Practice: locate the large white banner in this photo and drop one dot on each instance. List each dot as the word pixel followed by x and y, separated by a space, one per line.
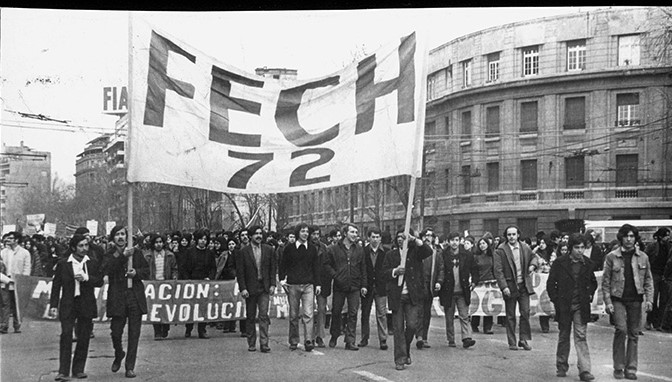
pixel 198 122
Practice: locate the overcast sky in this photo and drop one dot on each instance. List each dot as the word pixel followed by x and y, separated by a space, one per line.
pixel 56 62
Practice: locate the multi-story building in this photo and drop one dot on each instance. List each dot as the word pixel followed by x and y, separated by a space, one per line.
pixel 25 177
pixel 90 167
pixel 531 123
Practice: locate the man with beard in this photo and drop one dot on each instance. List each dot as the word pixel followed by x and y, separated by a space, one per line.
pixel 200 265
pixel 256 272
pixel 125 296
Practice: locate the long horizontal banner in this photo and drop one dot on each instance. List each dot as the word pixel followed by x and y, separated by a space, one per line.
pixel 197 121
pixel 207 301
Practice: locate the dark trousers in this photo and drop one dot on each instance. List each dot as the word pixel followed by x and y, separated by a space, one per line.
pixel 353 305
pixel 544 323
pixel 83 326
pixel 487 323
pixel 161 330
pixel 201 327
pixel 425 315
pixel 9 307
pixel 257 303
pixel 134 317
pixel 523 302
pixel 627 319
pixel 405 323
pixel 660 297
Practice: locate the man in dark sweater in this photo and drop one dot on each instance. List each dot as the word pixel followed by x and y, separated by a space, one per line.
pixel 199 265
pixel 299 274
pixel 626 279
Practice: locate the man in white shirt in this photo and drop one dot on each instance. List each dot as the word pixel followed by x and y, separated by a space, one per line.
pixel 17 261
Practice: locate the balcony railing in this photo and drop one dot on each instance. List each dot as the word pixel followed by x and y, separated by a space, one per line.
pixel 572 195
pixel 492 198
pixel 627 194
pixel 528 196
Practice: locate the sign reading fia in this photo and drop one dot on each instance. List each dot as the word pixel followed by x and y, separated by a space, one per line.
pixel 115 100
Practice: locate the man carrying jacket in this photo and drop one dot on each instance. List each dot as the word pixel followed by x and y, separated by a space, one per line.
pixel 345 264
pixel 571 285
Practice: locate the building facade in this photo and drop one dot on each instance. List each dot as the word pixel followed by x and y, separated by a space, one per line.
pixel 530 123
pixel 90 167
pixel 25 177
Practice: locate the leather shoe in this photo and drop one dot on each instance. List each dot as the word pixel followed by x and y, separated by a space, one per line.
pixel 265 349
pixel 618 374
pixel 363 343
pixel 81 375
pixel 351 347
pixel 523 344
pixel 130 374
pixel 204 336
pixel 629 375
pixel 468 342
pixel 61 377
pixel 513 347
pixel 488 332
pixel 400 367
pixel 561 373
pixel 420 344
pixel 426 345
pixel 451 344
pixel 309 346
pixel 408 360
pixel 332 341
pixel 116 364
pixel 383 346
pixel 251 348
pixel 319 342
pixel 586 376
pixel 293 347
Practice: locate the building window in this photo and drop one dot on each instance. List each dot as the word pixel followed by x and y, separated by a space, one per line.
pixel 430 183
pixel 528 172
pixel 449 77
pixel 466 179
pixel 493 176
pixel 528 117
pixel 431 87
pixel 531 61
pixel 446 181
pixel 430 135
pixel 627 109
pixel 447 126
pixel 491 225
pixel 446 227
pixel 493 67
pixel 320 199
pixel 574 172
pixel 466 73
pixel 527 226
pixel 628 50
pixel 575 113
pixel 464 226
pixel 626 170
pixel 466 125
pixel 492 121
pixel 576 55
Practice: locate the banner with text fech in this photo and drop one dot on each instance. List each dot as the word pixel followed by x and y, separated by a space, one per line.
pixel 198 122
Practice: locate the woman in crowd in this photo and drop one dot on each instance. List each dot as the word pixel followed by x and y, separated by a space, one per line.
pixel 162 266
pixel 226 270
pixel 181 254
pixel 484 262
pixel 543 253
pixel 35 260
pixel 77 276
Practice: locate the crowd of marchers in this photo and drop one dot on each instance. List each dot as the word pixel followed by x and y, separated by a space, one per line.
pixel 358 273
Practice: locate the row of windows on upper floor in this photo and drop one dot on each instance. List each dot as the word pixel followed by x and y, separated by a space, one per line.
pixel 575 52
pixel 627 113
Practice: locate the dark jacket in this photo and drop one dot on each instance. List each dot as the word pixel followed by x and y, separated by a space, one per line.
pixel 247 272
pixel 505 271
pixel 299 268
pixel 468 274
pixel 413 277
pixel 64 279
pixel 561 283
pixel 325 279
pixel 375 279
pixel 349 274
pixel 226 265
pixel 200 264
pixel 115 269
pixel 429 277
pixel 169 265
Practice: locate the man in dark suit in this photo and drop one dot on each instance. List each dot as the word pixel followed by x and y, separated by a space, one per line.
pixel 374 256
pixel 514 264
pixel 571 285
pixel 76 276
pixel 405 300
pixel 125 302
pixel 256 271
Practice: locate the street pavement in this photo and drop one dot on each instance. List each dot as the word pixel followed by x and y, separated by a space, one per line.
pixel 33 356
